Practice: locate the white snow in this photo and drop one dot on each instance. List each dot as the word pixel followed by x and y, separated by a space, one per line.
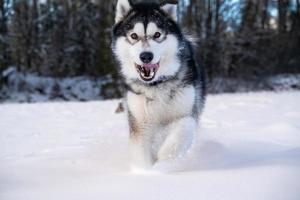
pixel 30 87
pixel 248 147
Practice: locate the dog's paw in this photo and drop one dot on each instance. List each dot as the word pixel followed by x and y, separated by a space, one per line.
pixel 172 148
pixel 179 140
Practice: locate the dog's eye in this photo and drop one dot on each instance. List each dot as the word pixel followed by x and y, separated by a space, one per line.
pixel 134 36
pixel 157 35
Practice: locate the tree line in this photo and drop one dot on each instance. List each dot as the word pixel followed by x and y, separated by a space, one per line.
pixel 246 38
pixel 56 37
pixel 63 38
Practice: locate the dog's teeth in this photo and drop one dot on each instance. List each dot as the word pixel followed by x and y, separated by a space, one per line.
pixel 146 74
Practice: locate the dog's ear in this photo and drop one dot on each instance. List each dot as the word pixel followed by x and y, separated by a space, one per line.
pixel 122 9
pixel 170 7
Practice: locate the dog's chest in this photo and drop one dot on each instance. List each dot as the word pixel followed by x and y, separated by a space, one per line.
pixel 161 106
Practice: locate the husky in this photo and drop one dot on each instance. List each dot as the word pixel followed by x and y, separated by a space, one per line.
pixel 165 86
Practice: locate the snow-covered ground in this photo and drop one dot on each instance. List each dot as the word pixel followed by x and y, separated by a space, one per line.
pixel 29 87
pixel 248 147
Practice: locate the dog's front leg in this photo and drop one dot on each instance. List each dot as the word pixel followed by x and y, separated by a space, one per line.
pixel 180 135
pixel 141 156
pixel 140 153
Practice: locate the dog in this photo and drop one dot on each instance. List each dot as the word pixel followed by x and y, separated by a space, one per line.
pixel 165 86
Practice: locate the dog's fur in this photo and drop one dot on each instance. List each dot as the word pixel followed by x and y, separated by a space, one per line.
pixel 163 112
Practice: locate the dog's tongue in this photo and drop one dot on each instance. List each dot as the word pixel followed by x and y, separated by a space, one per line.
pixel 147 71
pixel 150 67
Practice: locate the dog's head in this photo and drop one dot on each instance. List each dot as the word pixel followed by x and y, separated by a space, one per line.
pixel 147 40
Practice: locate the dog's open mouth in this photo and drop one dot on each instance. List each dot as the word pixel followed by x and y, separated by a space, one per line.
pixel 147 71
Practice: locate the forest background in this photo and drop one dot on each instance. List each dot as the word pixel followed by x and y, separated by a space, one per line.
pixel 60 49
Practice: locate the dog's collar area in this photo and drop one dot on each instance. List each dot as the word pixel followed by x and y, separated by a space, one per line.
pixel 162 80
pixel 159 81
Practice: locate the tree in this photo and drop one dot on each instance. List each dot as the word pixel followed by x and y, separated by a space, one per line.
pixel 249 15
pixel 4 54
pixel 283 6
pixel 69 38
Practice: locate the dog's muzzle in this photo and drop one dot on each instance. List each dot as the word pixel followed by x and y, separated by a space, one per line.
pixel 147 71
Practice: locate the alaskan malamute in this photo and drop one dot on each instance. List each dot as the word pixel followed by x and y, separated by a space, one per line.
pixel 165 86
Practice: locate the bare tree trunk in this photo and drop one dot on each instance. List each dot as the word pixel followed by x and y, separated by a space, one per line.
pixel 3 27
pixel 217 18
pixel 27 31
pixel 282 15
pixel 190 14
pixel 3 32
pixel 198 15
pixel 265 17
pixel 34 36
pixel 208 19
pixel 249 15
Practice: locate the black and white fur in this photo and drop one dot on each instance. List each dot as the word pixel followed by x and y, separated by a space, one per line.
pixel 163 112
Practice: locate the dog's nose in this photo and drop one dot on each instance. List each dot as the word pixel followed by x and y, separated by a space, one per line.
pixel 146 57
